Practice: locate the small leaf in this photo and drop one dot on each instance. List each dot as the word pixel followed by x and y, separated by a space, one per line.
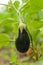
pixel 16 4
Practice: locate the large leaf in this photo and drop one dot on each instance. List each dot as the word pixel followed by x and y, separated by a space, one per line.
pixel 4 40
pixel 36 5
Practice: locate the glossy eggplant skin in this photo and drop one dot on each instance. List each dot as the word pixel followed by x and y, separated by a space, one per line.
pixel 23 41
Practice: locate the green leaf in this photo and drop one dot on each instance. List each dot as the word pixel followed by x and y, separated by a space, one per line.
pixel 16 4
pixel 15 28
pixel 36 5
pixel 40 62
pixel 4 40
pixel 41 14
pixel 13 57
pixel 36 25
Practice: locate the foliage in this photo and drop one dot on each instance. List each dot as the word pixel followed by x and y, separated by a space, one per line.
pixel 31 13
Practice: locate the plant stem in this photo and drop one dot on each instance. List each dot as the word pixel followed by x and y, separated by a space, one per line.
pixel 3 4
